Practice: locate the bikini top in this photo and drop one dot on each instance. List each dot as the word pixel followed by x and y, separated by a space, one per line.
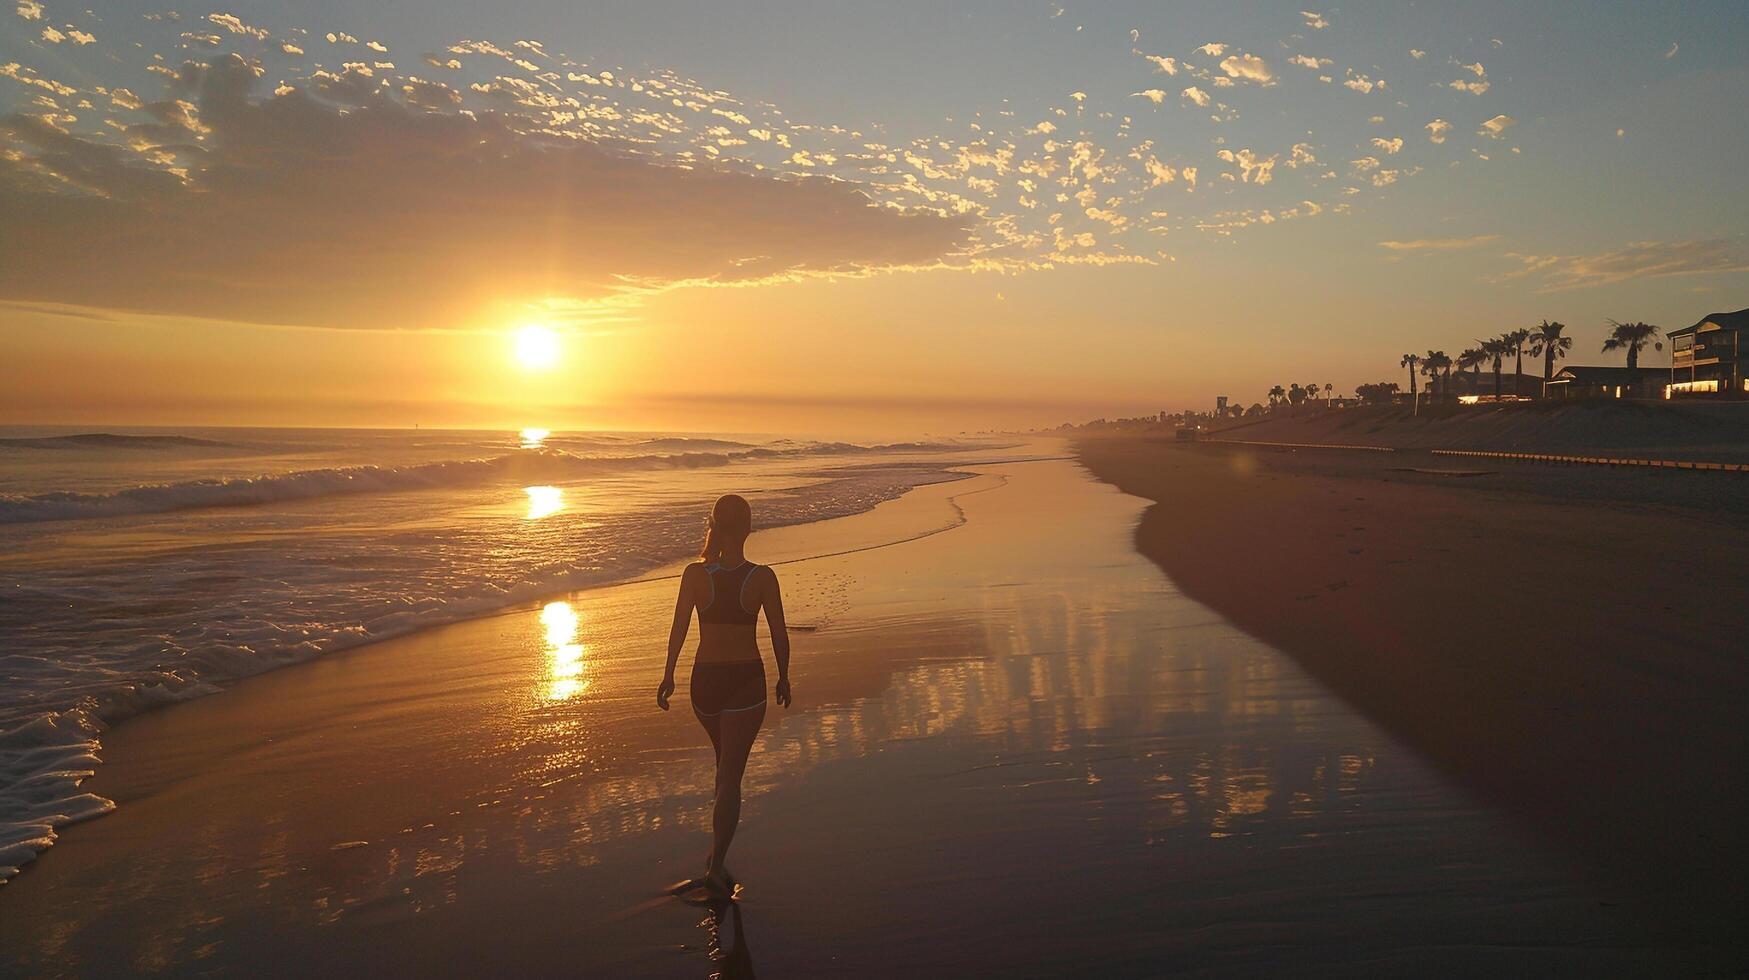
pixel 727 588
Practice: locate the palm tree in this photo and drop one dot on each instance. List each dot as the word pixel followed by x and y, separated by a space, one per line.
pixel 1277 395
pixel 1329 389
pixel 1516 342
pixel 1548 343
pixel 1632 337
pixel 1497 348
pixel 1431 364
pixel 1471 360
pixel 1409 361
pixel 1296 394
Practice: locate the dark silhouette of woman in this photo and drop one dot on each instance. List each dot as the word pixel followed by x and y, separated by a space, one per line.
pixel 728 675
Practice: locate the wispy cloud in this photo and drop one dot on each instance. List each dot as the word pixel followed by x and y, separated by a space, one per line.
pixel 1438 244
pixel 1316 22
pixel 1636 260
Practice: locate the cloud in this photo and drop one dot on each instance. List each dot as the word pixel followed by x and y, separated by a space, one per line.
pixel 30 9
pixel 1436 130
pixel 1161 63
pixel 1475 69
pixel 1474 88
pixel 1213 49
pixel 1361 83
pixel 1315 22
pixel 1307 61
pixel 1417 53
pixel 1153 95
pixel 1252 168
pixel 235 25
pixel 1197 95
pixel 1497 125
pixel 301 210
pixel 1437 244
pixel 1248 67
pixel 1390 146
pixel 1674 47
pixel 1635 260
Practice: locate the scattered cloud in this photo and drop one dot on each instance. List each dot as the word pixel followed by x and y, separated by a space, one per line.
pixel 1316 22
pixel 1636 260
pixel 235 25
pixel 362 246
pixel 1307 61
pixel 1213 49
pixel 1153 95
pixel 1417 53
pixel 1162 63
pixel 1496 126
pixel 1248 67
pixel 1197 95
pixel 1474 88
pixel 1389 146
pixel 30 10
pixel 1436 130
pixel 1674 47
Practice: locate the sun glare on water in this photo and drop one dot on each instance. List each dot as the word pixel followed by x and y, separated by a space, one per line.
pixel 537 348
pixel 544 501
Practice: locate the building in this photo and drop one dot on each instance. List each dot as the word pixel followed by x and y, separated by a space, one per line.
pixel 1479 385
pixel 1584 381
pixel 1704 358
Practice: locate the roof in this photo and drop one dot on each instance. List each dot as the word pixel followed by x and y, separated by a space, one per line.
pixel 1728 321
pixel 1585 374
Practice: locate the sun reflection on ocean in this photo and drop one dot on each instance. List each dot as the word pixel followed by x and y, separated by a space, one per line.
pixel 533 438
pixel 565 666
pixel 544 501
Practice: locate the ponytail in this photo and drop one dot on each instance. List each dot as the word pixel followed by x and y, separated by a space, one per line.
pixel 731 521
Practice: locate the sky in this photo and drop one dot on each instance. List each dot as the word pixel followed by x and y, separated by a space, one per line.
pixel 834 217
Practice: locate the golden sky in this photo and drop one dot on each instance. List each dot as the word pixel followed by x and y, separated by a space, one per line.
pixel 231 217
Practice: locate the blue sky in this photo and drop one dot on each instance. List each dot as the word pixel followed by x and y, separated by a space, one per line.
pixel 1132 175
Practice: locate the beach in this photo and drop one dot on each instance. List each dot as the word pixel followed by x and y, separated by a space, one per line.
pixel 1017 747
pixel 1566 641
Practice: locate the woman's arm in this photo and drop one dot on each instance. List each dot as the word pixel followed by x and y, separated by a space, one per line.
pixel 683 605
pixel 772 600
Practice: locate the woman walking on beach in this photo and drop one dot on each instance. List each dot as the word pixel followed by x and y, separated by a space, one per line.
pixel 728 675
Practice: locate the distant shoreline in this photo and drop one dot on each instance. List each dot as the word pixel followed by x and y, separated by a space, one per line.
pixel 1566 641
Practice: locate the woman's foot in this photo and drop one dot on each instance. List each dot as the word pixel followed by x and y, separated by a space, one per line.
pixel 718 883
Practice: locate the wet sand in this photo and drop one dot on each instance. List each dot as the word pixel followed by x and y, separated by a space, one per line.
pixel 1567 641
pixel 1016 749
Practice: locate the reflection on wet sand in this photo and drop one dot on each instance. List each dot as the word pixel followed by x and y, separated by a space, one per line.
pixel 1020 700
pixel 565 665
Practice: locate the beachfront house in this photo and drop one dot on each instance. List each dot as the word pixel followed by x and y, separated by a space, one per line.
pixel 1704 358
pixel 1584 381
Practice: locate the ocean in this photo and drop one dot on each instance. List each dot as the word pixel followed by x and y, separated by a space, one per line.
pixel 141 567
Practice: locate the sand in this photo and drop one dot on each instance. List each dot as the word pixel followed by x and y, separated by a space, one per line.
pixel 1016 749
pixel 1569 642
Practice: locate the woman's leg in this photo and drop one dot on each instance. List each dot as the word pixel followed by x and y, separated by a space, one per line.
pixel 737 730
pixel 714 729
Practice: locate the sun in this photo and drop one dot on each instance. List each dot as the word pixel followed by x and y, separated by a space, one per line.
pixel 537 348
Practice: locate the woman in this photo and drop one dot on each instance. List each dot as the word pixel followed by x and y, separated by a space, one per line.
pixel 728 676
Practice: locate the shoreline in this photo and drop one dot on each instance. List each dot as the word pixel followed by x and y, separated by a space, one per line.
pixel 77 734
pixel 1473 617
pixel 465 801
